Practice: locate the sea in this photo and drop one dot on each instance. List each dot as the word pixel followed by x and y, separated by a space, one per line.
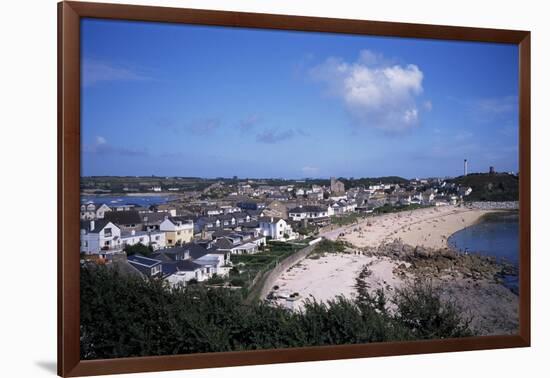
pixel 144 201
pixel 496 236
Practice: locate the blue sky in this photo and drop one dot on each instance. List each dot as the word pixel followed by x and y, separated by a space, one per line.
pixel 180 100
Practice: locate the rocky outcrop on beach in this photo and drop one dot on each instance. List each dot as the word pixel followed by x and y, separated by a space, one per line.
pixel 437 263
pixel 471 281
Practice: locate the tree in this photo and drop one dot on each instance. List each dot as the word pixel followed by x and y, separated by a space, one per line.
pixel 421 309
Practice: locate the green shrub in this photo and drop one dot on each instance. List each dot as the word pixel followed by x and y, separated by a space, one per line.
pixel 237 282
pixel 138 249
pixel 215 280
pixel 123 316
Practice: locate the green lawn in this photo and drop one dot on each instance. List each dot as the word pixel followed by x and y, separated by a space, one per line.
pixel 250 265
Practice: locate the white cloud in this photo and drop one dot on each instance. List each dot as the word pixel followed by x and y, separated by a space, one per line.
pixel 100 146
pixel 377 93
pixel 96 71
pixel 497 105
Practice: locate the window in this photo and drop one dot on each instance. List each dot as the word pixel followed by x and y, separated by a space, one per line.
pixel 107 232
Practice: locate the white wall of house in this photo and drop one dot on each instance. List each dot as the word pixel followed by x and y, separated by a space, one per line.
pixel 246 249
pixel 100 212
pixel 95 242
pixel 183 277
pixel 308 215
pixel 276 229
pixel 134 239
pixel 157 239
pixel 90 211
pixel 213 264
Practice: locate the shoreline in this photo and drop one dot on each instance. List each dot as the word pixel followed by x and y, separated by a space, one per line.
pixel 429 227
pixel 397 253
pixel 486 217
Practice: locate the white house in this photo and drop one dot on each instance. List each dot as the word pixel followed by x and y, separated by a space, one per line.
pixel 465 191
pixel 99 237
pixel 342 207
pixel 428 197
pixel 308 212
pixel 239 244
pixel 91 211
pixel 182 272
pixel 276 228
pixel 214 263
pixel 155 239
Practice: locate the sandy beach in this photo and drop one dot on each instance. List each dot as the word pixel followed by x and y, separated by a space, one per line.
pixel 491 306
pixel 430 227
pixel 335 274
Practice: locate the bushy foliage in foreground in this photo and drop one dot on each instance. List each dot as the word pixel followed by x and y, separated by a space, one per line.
pixel 125 316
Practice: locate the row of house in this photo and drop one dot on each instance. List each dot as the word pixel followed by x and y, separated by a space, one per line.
pixel 198 260
pixel 159 230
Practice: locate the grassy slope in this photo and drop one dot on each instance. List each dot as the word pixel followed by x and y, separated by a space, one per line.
pixel 487 187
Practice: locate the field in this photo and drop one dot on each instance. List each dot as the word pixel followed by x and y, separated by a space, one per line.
pixel 247 268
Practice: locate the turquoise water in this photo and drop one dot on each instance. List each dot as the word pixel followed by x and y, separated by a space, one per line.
pixel 498 237
pixel 144 201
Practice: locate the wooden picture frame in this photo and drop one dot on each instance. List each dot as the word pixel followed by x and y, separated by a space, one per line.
pixel 69 16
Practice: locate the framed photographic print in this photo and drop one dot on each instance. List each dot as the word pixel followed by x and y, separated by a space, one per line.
pixel 239 188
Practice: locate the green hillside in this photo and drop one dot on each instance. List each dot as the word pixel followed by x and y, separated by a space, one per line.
pixel 490 187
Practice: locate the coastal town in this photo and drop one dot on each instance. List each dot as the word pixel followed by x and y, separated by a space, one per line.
pixel 309 191
pixel 260 235
pixel 194 236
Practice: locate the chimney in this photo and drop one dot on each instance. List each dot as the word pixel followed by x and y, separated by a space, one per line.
pixel 465 167
pixel 92 225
